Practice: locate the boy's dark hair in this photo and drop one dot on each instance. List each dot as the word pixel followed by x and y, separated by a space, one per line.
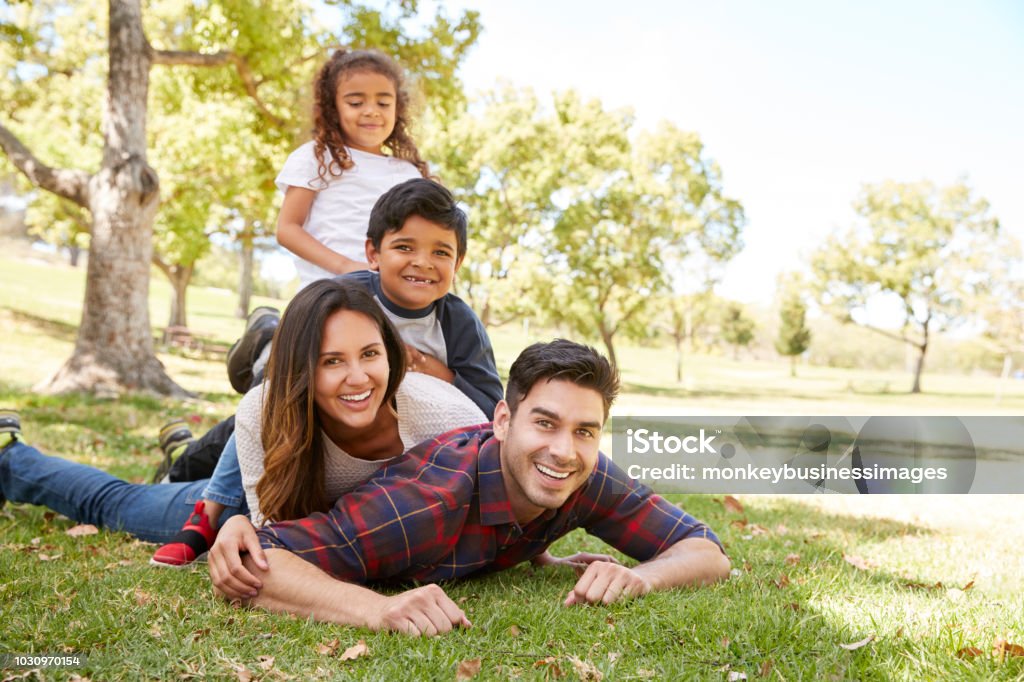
pixel 422 197
pixel 564 360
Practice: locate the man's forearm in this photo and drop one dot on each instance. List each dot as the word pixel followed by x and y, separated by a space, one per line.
pixel 293 585
pixel 694 561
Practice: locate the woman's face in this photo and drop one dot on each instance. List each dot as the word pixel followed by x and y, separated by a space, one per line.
pixel 351 373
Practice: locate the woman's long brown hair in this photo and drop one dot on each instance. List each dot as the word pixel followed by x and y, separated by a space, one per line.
pixel 292 485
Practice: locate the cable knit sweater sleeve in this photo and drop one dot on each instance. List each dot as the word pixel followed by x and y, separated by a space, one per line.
pixel 248 429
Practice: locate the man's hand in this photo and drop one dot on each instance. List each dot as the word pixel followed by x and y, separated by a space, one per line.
pixel 425 610
pixel 227 573
pixel 418 361
pixel 604 582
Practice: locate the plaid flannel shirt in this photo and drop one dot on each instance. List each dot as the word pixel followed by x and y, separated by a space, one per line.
pixel 440 511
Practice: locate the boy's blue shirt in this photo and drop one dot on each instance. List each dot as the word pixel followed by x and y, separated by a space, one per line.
pixel 470 356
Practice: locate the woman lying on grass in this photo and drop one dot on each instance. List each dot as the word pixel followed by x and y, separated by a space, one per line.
pixel 336 404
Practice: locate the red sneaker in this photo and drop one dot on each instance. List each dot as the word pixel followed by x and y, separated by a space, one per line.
pixel 194 539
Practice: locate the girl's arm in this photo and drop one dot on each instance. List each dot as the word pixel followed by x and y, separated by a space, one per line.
pixel 292 235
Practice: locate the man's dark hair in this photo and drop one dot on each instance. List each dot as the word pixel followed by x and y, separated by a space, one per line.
pixel 422 197
pixel 564 360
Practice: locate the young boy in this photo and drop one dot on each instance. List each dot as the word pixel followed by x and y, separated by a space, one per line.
pixel 416 241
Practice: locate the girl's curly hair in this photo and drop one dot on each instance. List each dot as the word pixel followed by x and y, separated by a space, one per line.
pixel 327 133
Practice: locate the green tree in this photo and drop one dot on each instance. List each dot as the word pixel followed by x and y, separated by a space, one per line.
pixel 929 247
pixel 794 337
pixel 737 328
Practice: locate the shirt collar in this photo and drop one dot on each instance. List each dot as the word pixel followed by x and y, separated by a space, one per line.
pixel 495 508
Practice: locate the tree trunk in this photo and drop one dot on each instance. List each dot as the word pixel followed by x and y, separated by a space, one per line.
pixel 179 276
pixel 114 349
pixel 606 337
pixel 679 358
pixel 74 253
pixel 245 274
pixel 792 366
pixel 919 368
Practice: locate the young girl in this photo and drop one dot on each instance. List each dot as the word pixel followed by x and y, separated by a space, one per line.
pixel 331 183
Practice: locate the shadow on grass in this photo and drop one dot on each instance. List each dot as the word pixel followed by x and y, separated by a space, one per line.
pixel 62 331
pixel 739 392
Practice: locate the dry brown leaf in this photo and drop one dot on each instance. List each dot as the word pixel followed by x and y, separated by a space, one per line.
pixel 266 662
pixel 551 665
pixel 738 523
pixel 757 529
pixel 853 646
pixel 82 529
pixel 782 581
pixel 243 674
pixel 142 598
pixel 49 557
pixel 514 631
pixel 585 670
pixel 967 586
pixel 1003 648
pixel 355 651
pixel 35 541
pixel 857 561
pixel 467 670
pixel 793 606
pixel 614 656
pixel 199 634
pixel 792 559
pixel 732 504
pixel 969 652
pixel 328 648
pixel 725 642
pixel 766 668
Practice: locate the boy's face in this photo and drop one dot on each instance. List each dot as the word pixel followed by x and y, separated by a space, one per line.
pixel 416 263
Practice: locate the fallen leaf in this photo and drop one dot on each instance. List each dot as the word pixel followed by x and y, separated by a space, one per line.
pixel 199 634
pixel 243 674
pixel 49 516
pixel 467 670
pixel 899 632
pixel 738 523
pixel 856 561
pixel 793 606
pixel 792 559
pixel 266 662
pixel 82 529
pixel 1003 649
pixel 732 504
pixel 853 646
pixel 781 530
pixel 49 557
pixel 967 586
pixel 514 631
pixel 645 674
pixel 551 663
pixel 355 651
pixel 585 670
pixel 969 652
pixel 766 668
pixel 756 529
pixel 613 656
pixel 328 648
pixel 725 642
pixel 736 675
pixel 782 581
pixel 142 598
pixel 35 541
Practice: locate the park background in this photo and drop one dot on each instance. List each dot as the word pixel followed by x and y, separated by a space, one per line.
pixel 723 221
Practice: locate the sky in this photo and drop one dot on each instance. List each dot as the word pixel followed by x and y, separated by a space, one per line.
pixel 800 103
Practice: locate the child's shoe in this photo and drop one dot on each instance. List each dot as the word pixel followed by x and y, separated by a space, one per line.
pixel 259 330
pixel 193 540
pixel 174 438
pixel 10 431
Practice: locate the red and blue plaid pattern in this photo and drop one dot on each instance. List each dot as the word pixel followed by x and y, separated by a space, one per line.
pixel 440 511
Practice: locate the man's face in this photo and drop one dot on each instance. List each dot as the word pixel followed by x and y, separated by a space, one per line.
pixel 550 446
pixel 416 263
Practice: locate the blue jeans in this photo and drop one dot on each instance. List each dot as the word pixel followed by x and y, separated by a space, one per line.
pixel 225 485
pixel 88 495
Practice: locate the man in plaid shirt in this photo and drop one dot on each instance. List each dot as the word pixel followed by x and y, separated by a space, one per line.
pixel 486 498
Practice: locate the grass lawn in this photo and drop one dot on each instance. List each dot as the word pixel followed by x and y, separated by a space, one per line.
pixel 824 587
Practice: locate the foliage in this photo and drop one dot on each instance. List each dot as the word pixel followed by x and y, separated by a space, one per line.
pixel 737 328
pixel 930 247
pixel 794 337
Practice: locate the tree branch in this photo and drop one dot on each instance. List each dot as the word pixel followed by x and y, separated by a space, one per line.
pixel 73 185
pixel 222 58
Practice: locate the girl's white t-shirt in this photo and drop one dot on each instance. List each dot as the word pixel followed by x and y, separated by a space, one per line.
pixel 341 209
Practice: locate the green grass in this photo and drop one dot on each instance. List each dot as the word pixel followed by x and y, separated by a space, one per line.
pixel 97 595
